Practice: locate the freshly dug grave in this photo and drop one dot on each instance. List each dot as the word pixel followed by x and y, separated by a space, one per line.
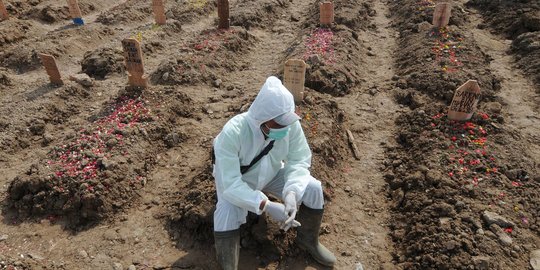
pixel 12 31
pixel 131 10
pixel 334 54
pixel 96 171
pixel 36 125
pixel 464 193
pixel 263 13
pixel 191 10
pixel 201 59
pixel 190 212
pixel 44 11
pixel 527 49
pixel 510 17
pixel 23 56
pixel 102 62
pixel 437 61
pixel 449 181
pixel 519 21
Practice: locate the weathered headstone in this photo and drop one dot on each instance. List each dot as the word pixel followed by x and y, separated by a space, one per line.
pixel 326 10
pixel 223 14
pixel 134 63
pixel 294 78
pixel 465 101
pixel 75 12
pixel 52 69
pixel 3 11
pixel 159 12
pixel 441 14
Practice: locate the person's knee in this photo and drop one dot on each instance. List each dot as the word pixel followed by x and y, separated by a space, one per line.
pixel 313 196
pixel 228 217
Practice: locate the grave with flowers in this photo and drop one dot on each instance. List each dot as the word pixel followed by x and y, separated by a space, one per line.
pixel 87 177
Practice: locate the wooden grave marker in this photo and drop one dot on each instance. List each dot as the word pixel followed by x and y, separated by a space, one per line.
pixel 441 14
pixel 75 12
pixel 223 14
pixel 3 11
pixel 52 69
pixel 465 100
pixel 326 10
pixel 159 12
pixel 134 63
pixel 294 78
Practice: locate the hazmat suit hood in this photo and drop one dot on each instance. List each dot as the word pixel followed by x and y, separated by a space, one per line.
pixel 272 101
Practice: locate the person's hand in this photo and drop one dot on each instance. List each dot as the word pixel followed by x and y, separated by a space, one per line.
pixel 292 224
pixel 276 211
pixel 290 206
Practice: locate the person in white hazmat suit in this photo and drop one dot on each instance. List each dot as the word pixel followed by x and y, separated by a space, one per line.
pixel 269 126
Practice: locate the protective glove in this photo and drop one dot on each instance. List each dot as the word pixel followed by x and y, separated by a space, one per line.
pixel 287 226
pixel 276 211
pixel 290 206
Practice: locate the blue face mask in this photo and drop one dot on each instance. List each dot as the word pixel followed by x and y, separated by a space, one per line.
pixel 277 134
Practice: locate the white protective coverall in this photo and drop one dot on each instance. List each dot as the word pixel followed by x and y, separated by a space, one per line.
pixel 283 169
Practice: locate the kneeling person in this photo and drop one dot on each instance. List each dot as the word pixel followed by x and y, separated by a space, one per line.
pixel 265 150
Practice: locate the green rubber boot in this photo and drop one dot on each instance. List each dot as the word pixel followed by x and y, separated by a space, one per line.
pixel 228 249
pixel 307 236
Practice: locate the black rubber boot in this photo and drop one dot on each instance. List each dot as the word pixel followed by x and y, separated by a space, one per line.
pixel 308 235
pixel 228 249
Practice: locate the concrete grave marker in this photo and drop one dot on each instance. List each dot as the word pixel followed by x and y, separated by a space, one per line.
pixel 465 101
pixel 326 10
pixel 159 12
pixel 3 11
pixel 52 69
pixel 441 14
pixel 75 12
pixel 294 78
pixel 134 63
pixel 223 13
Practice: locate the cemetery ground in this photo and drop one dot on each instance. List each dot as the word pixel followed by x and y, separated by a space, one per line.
pixel 98 175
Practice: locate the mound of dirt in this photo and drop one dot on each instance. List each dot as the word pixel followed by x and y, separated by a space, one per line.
pixel 446 180
pixel 212 51
pixel 128 11
pixel 191 10
pixel 326 72
pixel 410 13
pixel 21 60
pixel 93 173
pixel 511 17
pixel 5 80
pixel 333 54
pixel 50 14
pixel 437 61
pixel 354 15
pixel 33 127
pixel 518 20
pixel 527 48
pixel 12 31
pixel 102 62
pixel 260 13
pixel 20 7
